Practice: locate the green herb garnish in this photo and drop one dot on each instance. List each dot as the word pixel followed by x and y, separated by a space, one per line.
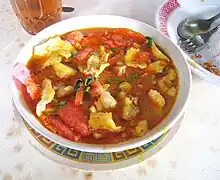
pixel 114 80
pixel 61 104
pixel 74 53
pixel 78 85
pixel 88 80
pixel 56 101
pixel 133 77
pixel 114 49
pixel 88 89
pixel 150 41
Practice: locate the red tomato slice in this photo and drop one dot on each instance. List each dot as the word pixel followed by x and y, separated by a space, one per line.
pixel 130 34
pixel 75 117
pixel 143 57
pixel 81 57
pixel 57 126
pixel 118 40
pixel 32 88
pixel 96 89
pixel 93 40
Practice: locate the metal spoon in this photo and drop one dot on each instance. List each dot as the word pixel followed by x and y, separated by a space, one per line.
pixel 191 26
pixel 197 42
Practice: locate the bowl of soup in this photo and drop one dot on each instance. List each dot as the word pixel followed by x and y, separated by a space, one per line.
pixel 101 83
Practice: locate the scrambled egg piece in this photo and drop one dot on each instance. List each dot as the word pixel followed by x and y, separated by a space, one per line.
pixel 157 66
pixel 158 54
pixel 94 66
pixel 63 91
pixel 47 96
pixel 129 109
pixel 102 120
pixel 156 98
pixel 53 59
pixel 105 86
pixel 63 71
pixel 107 100
pixel 129 59
pixel 101 69
pixel 55 49
pixel 92 63
pixel 54 45
pixel 141 128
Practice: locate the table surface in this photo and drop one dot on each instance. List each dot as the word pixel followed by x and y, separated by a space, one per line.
pixel 194 153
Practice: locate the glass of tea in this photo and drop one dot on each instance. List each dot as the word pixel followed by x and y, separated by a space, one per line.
pixel 35 15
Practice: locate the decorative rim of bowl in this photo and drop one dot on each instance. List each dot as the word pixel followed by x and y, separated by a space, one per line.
pixel 41 143
pixel 92 157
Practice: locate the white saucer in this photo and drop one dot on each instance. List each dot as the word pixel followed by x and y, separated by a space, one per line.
pixel 96 161
pixel 167 19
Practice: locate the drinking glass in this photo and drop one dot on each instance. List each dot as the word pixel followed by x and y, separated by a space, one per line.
pixel 35 15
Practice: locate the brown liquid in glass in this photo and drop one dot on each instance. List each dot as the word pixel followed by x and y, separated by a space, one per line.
pixel 35 15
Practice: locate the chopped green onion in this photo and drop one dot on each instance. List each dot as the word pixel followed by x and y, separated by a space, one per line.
pixel 88 89
pixel 133 77
pixel 114 80
pixel 114 49
pixel 150 41
pixel 56 101
pixel 88 80
pixel 74 53
pixel 78 85
pixel 61 104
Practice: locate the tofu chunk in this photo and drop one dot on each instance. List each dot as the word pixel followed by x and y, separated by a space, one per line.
pixel 141 128
pixel 172 92
pixel 129 109
pixel 156 98
pixel 107 100
pixel 157 66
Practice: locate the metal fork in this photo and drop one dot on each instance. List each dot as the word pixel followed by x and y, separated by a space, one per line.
pixel 197 42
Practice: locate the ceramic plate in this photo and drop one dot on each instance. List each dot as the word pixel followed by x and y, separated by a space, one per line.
pixel 167 18
pixel 97 161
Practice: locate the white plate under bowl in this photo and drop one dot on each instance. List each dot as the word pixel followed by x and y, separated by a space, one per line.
pixel 109 21
pixel 97 161
pixel 167 18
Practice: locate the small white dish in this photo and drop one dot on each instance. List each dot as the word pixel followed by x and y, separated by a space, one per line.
pixel 167 18
pixel 191 6
pixel 109 21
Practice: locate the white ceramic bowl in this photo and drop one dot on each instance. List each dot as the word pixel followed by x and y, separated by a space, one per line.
pixel 109 21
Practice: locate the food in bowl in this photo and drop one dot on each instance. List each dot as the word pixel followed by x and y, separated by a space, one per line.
pixel 99 85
